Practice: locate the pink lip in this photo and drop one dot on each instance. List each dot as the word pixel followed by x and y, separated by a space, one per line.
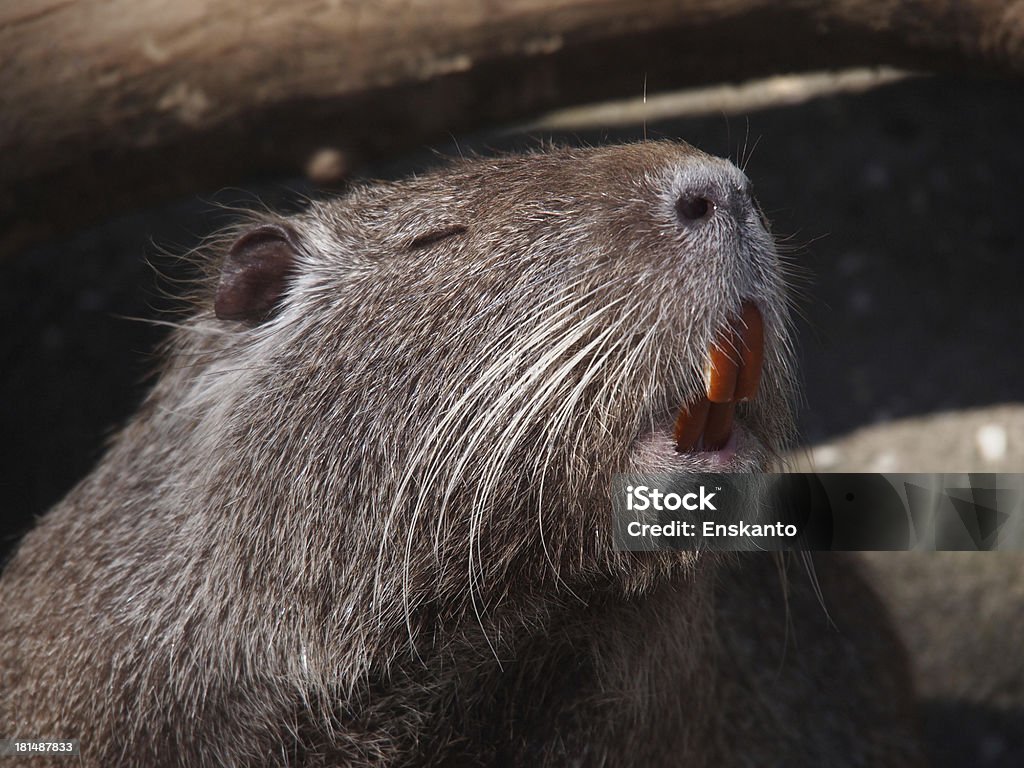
pixel 721 457
pixel 656 452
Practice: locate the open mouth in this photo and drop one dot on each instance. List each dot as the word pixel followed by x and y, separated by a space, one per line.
pixel 731 376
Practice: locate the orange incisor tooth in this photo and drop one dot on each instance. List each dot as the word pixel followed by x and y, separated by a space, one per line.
pixel 719 425
pixel 722 369
pixel 690 424
pixel 751 351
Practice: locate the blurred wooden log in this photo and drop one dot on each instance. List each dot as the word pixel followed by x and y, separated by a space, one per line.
pixel 107 105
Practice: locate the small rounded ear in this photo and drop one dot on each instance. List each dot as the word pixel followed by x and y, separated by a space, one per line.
pixel 254 275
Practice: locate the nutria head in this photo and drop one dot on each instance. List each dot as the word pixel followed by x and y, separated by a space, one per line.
pixel 405 406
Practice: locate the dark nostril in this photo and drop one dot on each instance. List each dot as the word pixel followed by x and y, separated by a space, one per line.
pixel 694 208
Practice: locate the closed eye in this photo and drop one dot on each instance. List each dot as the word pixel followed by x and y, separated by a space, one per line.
pixel 430 238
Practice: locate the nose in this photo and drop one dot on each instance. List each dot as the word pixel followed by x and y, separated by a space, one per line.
pixel 712 190
pixel 692 207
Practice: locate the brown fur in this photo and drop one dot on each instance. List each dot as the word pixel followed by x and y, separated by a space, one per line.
pixel 372 528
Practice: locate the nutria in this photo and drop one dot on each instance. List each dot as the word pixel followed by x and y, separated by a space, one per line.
pixel 363 516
